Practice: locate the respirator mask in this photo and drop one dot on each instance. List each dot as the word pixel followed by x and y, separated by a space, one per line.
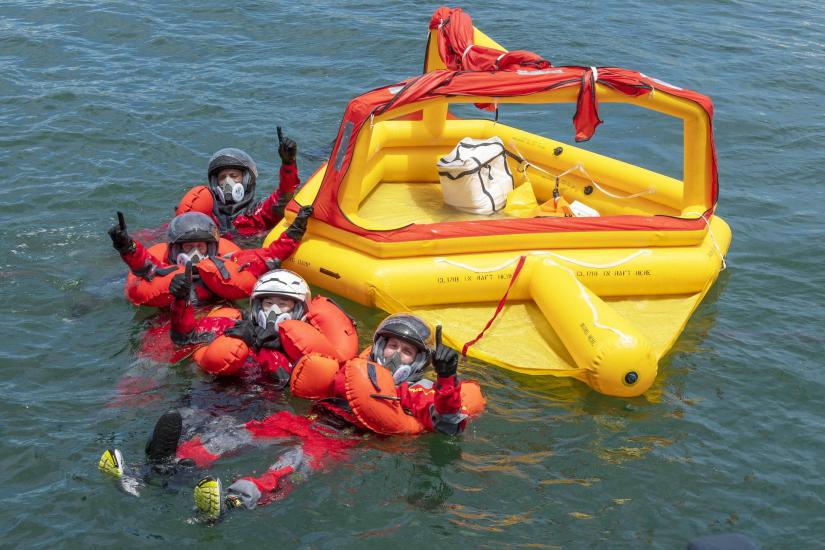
pixel 229 190
pixel 272 315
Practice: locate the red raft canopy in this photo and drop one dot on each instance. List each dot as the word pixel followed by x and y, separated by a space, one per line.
pixel 481 71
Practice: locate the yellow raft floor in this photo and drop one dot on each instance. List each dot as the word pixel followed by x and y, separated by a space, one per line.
pixel 398 204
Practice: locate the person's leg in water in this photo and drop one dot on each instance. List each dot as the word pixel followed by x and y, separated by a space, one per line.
pixel 320 446
pixel 160 454
pixel 249 492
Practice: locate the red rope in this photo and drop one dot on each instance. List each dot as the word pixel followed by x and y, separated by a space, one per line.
pixel 498 309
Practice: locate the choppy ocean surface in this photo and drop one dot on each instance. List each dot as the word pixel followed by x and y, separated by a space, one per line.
pixel 113 105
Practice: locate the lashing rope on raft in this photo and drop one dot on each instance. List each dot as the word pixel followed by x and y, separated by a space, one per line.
pixel 577 167
pixel 544 253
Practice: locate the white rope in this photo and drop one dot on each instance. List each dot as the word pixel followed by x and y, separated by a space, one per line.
pixel 467 49
pixel 573 261
pixel 601 266
pixel 625 339
pixel 712 238
pixel 595 73
pixel 477 269
pixel 580 167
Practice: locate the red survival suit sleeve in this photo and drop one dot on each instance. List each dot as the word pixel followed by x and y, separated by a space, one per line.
pixel 140 261
pixel 183 320
pixel 260 260
pixel 437 408
pixel 270 211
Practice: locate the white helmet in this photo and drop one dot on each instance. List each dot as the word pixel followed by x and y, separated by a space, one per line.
pixel 283 283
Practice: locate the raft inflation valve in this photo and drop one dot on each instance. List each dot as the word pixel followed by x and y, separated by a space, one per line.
pixel 588 189
pixel 558 150
pixel 630 378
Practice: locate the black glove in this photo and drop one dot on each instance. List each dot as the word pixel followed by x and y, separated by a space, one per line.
pixel 181 285
pixel 287 148
pixel 445 360
pixel 121 240
pixel 267 337
pixel 298 227
pixel 245 330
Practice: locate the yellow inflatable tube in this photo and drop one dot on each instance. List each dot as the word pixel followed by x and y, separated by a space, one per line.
pixel 466 278
pixel 613 357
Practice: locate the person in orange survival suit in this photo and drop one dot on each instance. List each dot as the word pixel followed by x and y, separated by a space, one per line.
pixel 229 196
pixel 382 391
pixel 284 319
pixel 285 322
pixel 224 271
pixel 375 401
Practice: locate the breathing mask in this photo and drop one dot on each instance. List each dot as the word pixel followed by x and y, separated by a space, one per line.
pixel 272 315
pixel 400 371
pixel 193 256
pixel 229 190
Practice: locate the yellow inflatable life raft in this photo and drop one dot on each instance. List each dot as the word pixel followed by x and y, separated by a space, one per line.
pixel 600 298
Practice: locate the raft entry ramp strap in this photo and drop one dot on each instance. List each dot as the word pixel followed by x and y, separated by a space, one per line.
pixel 500 306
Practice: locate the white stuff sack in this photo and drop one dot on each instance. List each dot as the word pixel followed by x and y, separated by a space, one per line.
pixel 474 176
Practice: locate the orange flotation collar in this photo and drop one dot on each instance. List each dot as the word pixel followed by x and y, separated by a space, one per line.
pixel 225 278
pixel 327 330
pixel 314 376
pixel 154 292
pixel 372 397
pixel 197 199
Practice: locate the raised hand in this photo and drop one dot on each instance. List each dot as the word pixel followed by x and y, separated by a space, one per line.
pixel 181 285
pixel 121 240
pixel 445 359
pixel 298 227
pixel 287 148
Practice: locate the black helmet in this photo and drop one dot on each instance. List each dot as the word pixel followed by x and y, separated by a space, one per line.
pixel 233 158
pixel 192 227
pixel 411 329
